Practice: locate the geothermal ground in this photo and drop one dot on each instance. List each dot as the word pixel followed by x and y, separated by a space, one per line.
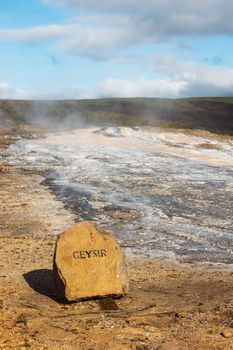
pixel 167 195
pixel 159 191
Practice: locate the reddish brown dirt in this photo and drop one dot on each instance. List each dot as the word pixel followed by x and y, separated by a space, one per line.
pixel 171 305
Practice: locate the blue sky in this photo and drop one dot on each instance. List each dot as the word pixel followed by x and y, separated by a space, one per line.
pixel 90 49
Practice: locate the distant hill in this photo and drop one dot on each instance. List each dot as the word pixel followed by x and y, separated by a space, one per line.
pixel 211 114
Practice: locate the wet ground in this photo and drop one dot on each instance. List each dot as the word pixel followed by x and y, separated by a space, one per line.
pixel 163 193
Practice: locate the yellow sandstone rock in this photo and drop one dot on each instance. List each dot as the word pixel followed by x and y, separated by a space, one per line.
pixel 88 263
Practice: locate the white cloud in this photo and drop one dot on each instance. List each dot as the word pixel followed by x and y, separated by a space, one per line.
pixel 36 34
pixel 167 17
pixel 97 38
pixel 141 88
pixel 182 79
pixel 103 5
pixel 195 74
pixel 127 24
pixel 101 38
pixel 9 92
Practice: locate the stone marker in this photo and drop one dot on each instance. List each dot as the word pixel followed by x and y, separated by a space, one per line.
pixel 88 263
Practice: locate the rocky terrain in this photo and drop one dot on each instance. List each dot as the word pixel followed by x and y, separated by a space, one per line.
pixel 176 301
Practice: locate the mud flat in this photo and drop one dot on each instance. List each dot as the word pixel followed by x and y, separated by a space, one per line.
pixel 171 305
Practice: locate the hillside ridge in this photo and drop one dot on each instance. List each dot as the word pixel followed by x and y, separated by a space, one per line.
pixel 210 114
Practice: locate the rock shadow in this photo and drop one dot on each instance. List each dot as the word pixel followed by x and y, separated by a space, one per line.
pixel 41 281
pixel 108 304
